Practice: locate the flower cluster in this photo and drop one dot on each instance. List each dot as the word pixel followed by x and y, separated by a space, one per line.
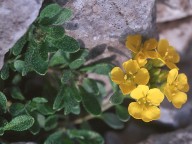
pixel 144 79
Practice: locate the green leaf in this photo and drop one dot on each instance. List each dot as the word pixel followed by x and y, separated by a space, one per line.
pixel 16 93
pixel 50 11
pixel 17 48
pixel 85 136
pixel 76 109
pixel 20 123
pixel 58 58
pixel 112 120
pixel 90 103
pixel 16 109
pixel 69 100
pixel 19 65
pixel 76 63
pixel 55 32
pixel 67 76
pixel 67 44
pixel 117 98
pixel 35 129
pixel 91 86
pixel 59 100
pixel 63 16
pixel 5 71
pixel 51 122
pixel 122 113
pixel 3 102
pixel 82 53
pixel 39 100
pixel 33 61
pixel 56 138
pixel 45 109
pixel 102 68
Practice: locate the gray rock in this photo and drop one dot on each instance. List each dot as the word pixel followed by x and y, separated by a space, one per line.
pixel 183 136
pixel 98 22
pixel 15 18
pixel 169 10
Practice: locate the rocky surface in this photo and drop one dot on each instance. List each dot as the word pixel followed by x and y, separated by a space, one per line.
pixel 183 136
pixel 15 18
pixel 169 10
pixel 108 22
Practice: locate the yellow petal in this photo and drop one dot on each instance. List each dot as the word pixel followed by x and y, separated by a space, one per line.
pixel 155 96
pixel 131 66
pixel 171 65
pixel 168 93
pixel 133 42
pixel 117 75
pixel 142 76
pixel 139 92
pixel 141 59
pixel 150 44
pixel 135 110
pixel 150 113
pixel 179 99
pixel 163 47
pixel 126 88
pixel 182 83
pixel 173 56
pixel 172 76
pixel 151 54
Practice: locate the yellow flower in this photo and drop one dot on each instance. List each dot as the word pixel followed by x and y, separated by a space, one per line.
pixel 142 51
pixel 130 77
pixel 167 54
pixel 175 88
pixel 146 105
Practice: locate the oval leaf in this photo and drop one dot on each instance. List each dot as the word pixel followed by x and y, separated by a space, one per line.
pixel 90 103
pixel 3 102
pixel 20 123
pixel 122 113
pixel 112 120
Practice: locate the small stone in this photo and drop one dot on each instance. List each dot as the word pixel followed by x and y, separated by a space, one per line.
pixel 15 18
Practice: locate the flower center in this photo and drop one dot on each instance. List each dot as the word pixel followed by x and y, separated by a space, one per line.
pixel 144 101
pixel 129 77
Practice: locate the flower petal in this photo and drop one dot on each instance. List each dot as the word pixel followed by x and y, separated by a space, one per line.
pixel 133 42
pixel 126 88
pixel 173 55
pixel 179 99
pixel 117 75
pixel 135 110
pixel 151 54
pixel 139 92
pixel 172 76
pixel 171 65
pixel 150 113
pixel 131 66
pixel 155 96
pixel 162 47
pixel 142 77
pixel 141 59
pixel 150 44
pixel 182 83
pixel 168 93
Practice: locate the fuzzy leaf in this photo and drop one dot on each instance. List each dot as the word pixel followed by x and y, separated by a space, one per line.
pixel 85 136
pixel 20 123
pixel 39 100
pixel 5 71
pixel 16 109
pixel 3 102
pixel 122 113
pixel 112 120
pixel 90 103
pixel 63 16
pixel 16 93
pixel 76 63
pixel 17 48
pixel 117 98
